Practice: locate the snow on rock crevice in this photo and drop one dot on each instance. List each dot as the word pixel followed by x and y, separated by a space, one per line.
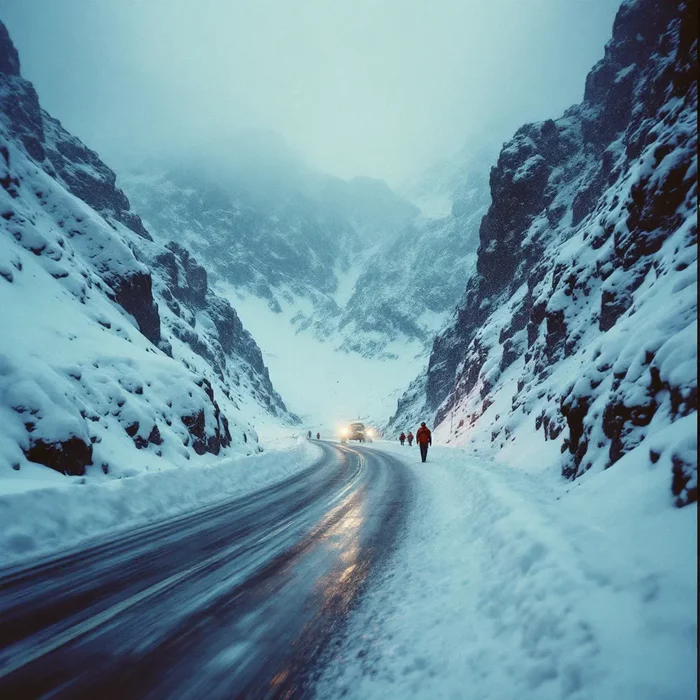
pixel 578 329
pixel 97 375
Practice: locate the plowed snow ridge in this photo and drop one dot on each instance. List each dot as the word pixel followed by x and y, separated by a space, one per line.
pixel 519 585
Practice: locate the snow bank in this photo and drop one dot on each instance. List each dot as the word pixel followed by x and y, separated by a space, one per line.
pixel 516 585
pixel 42 520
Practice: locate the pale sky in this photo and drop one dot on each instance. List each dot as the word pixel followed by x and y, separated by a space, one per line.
pixel 360 87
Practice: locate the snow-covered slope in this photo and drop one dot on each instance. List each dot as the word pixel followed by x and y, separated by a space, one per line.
pixel 577 335
pixel 115 356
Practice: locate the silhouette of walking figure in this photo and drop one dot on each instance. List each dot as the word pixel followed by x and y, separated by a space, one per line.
pixel 424 438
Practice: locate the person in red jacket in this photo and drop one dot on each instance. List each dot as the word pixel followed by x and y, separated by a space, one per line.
pixel 402 438
pixel 424 438
pixel 409 437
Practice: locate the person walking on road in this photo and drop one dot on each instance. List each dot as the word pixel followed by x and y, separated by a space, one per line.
pixel 409 437
pixel 424 438
pixel 402 438
pixel 318 436
pixel 309 435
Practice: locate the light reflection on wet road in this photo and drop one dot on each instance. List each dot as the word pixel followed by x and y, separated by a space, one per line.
pixel 238 600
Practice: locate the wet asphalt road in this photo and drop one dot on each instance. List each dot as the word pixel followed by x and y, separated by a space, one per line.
pixel 237 600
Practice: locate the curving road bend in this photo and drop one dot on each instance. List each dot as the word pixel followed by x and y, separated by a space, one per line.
pixel 233 601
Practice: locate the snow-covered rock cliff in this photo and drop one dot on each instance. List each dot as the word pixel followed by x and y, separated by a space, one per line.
pixel 115 355
pixel 577 335
pixel 410 289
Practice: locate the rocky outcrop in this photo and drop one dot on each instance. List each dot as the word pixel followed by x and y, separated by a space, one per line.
pixel 69 456
pixel 86 176
pixel 9 58
pixel 591 231
pixel 208 441
pixel 182 283
pixel 227 347
pixel 20 103
pixel 187 279
pixel 134 294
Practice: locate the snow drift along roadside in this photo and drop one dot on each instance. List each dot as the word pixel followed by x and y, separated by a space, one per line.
pixel 516 585
pixel 44 520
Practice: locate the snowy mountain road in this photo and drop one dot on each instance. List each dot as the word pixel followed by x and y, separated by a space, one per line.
pixel 235 600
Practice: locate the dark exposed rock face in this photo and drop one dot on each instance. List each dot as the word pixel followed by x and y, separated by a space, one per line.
pixel 69 456
pixel 200 442
pixel 9 58
pixel 685 481
pixel 133 293
pixel 20 105
pixel 187 279
pixel 617 176
pixel 196 425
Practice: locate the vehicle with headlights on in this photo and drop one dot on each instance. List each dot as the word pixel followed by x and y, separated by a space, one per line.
pixel 358 432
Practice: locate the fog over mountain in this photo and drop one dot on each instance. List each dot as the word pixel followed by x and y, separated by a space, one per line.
pixel 381 89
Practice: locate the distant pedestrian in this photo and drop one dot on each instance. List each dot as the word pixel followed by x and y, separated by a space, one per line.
pixel 309 435
pixel 318 436
pixel 424 438
pixel 402 438
pixel 409 437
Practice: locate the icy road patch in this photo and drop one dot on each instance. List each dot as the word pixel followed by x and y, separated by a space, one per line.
pixel 514 585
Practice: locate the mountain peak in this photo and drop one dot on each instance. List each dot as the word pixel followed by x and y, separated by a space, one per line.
pixel 9 58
